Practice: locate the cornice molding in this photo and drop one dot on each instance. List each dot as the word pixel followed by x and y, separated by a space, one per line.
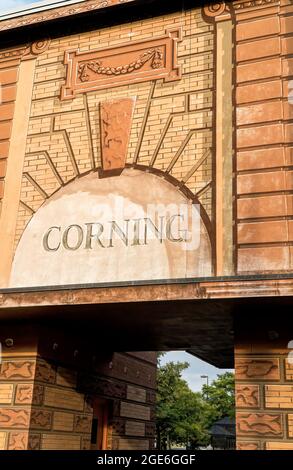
pixel 244 4
pixel 218 11
pixel 60 12
pixel 145 292
pixel 26 52
pixel 9 54
pixel 212 10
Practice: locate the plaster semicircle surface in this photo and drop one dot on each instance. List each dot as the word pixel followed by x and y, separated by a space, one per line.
pixel 132 227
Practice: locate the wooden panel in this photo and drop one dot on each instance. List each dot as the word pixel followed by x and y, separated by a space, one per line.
pixel 130 410
pixel 60 442
pixel 133 444
pixel 133 428
pixel 63 421
pixel 66 377
pixel 136 394
pixel 67 399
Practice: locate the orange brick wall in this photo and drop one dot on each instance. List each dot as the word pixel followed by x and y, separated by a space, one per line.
pixel 172 124
pixel 264 137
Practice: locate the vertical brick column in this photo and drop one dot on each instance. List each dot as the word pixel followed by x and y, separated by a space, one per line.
pixel 9 65
pixel 219 13
pixel 16 399
pixel 264 176
pixel 264 384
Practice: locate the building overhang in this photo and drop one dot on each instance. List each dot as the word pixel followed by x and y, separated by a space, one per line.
pixel 193 315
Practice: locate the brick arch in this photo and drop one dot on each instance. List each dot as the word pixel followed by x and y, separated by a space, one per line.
pixel 148 169
pixel 185 190
pixel 72 233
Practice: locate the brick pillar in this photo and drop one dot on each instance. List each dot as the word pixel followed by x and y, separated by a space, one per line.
pixel 49 386
pixel 264 383
pixel 40 407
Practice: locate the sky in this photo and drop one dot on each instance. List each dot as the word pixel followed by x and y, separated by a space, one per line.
pixel 197 367
pixel 192 375
pixel 11 4
pixel 7 4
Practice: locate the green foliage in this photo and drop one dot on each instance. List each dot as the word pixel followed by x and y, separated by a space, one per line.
pixel 220 396
pixel 184 417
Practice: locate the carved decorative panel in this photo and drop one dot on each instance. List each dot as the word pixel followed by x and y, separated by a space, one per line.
pixel 267 368
pixel 259 424
pixel 116 120
pixel 247 396
pixel 138 61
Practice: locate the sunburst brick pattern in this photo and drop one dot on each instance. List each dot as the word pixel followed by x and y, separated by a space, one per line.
pixel 172 122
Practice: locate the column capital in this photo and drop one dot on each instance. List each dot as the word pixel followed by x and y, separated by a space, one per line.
pixel 36 48
pixel 217 11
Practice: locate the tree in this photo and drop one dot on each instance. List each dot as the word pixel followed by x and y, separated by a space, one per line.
pixel 220 398
pixel 184 417
pixel 180 411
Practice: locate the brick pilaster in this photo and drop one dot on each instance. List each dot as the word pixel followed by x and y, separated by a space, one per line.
pixel 264 384
pixel 40 407
pixel 263 135
pixel 9 65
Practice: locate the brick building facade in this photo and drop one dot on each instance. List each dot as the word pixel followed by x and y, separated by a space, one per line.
pixel 184 105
